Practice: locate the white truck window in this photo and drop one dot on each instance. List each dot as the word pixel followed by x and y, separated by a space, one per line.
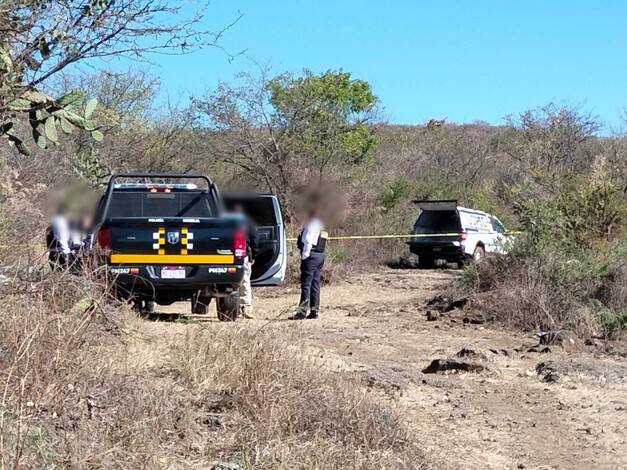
pixel 497 226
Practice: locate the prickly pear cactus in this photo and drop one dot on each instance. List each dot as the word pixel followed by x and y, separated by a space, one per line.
pixel 47 116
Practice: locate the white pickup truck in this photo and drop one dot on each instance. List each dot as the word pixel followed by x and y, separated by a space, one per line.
pixel 444 230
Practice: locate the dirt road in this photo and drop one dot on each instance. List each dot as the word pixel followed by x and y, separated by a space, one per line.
pixel 509 417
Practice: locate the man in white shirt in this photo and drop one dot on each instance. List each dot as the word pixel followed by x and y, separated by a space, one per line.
pixel 59 239
pixel 311 243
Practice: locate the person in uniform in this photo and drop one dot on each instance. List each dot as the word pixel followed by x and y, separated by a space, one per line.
pixel 311 244
pixel 252 247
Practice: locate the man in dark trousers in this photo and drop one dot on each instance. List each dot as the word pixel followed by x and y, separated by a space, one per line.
pixel 311 244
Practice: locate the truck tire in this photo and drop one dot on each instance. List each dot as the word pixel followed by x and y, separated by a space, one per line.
pixel 228 307
pixel 478 254
pixel 426 262
pixel 200 304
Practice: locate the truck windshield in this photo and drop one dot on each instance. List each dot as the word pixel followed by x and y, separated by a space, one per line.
pixel 437 222
pixel 163 205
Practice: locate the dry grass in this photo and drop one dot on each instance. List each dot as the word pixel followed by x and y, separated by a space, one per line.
pixel 43 332
pixel 86 385
pixel 546 292
pixel 289 414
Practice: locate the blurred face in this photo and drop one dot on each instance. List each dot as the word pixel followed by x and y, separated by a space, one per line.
pixel 86 223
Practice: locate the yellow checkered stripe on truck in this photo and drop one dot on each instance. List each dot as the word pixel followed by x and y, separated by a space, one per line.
pixel 170 259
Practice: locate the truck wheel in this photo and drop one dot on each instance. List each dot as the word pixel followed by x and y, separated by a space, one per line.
pixel 426 262
pixel 478 254
pixel 228 307
pixel 200 304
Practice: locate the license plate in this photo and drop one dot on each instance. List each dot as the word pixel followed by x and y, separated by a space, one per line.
pixel 437 249
pixel 172 272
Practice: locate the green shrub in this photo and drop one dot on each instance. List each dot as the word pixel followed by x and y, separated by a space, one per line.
pixel 337 253
pixel 469 274
pixel 549 280
pixel 396 192
pixel 613 322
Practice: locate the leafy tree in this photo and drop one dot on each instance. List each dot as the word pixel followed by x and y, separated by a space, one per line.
pixel 288 131
pixel 325 117
pixel 41 38
pixel 125 99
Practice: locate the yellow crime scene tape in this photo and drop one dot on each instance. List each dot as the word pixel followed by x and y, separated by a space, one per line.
pixel 372 237
pixel 344 237
pixel 293 239
pixel 414 235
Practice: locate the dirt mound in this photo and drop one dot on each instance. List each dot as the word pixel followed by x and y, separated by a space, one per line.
pixel 557 371
pixel 466 360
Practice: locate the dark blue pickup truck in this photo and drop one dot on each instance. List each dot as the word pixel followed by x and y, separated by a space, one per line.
pixel 166 239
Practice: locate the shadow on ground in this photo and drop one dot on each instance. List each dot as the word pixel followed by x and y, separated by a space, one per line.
pixel 407 263
pixel 177 317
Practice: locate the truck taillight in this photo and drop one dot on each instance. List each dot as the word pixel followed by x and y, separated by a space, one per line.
pixel 464 236
pixel 239 244
pixel 104 238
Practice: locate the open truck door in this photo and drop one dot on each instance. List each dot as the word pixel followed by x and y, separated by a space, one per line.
pixel 265 210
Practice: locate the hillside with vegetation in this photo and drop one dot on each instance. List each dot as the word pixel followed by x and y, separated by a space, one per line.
pixel 75 394
pixel 554 173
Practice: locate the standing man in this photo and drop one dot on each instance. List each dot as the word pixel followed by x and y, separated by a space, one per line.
pixel 58 239
pixel 311 243
pixel 252 248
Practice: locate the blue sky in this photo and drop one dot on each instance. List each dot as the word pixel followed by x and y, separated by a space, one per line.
pixel 464 60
